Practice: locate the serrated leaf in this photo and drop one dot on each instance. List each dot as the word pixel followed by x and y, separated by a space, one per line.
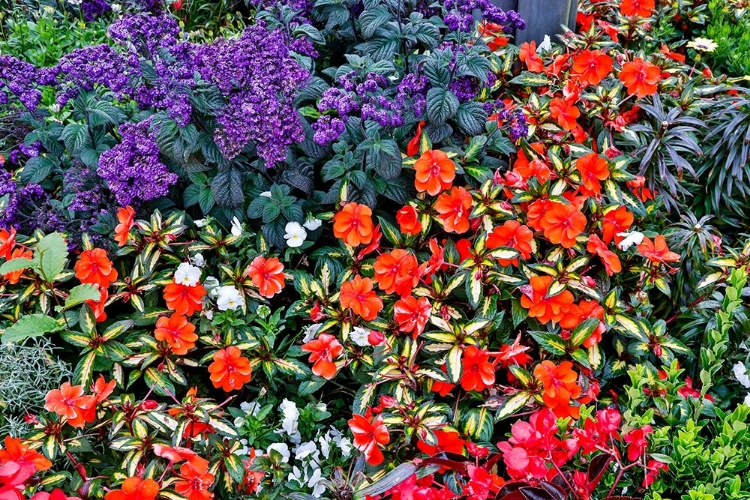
pixel 51 253
pixel 442 104
pixel 32 325
pixel 80 294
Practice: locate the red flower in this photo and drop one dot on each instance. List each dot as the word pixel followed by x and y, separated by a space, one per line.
pixel 653 467
pixel 592 66
pixel 68 401
pixel 494 35
pixel 675 56
pixel 135 488
pixel 610 259
pixel 440 387
pixel 353 224
pixel 102 389
pixel 593 168
pixel 586 309
pixel 230 370
pixel 16 451
pixel 183 299
pixel 14 277
pixel 267 275
pixel 434 172
pixel 413 147
pixel 176 331
pixel 657 251
pixel 7 242
pixel 478 373
pixel 57 494
pixel 397 271
pixel 560 387
pixel 544 308
pixel 639 190
pixel 641 8
pixel 358 296
pixel 408 220
pixel 93 267
pixel 512 234
pixel 564 113
pixel 98 305
pixel 323 351
pixel 194 482
pixel 448 441
pixel 637 442
pixel 176 454
pixel 640 78
pixel 562 224
pixel 412 314
pixel 532 168
pixel 454 208
pixel 614 222
pixel 529 56
pixel 125 217
pixel 369 433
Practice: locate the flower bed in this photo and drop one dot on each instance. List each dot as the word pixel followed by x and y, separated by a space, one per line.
pixel 364 250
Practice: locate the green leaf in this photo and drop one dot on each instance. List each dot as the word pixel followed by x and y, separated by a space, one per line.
pixel 511 405
pixel 584 331
pixel 471 118
pixel 33 325
pixel 528 79
pixel 51 254
pixel 17 264
pixel 84 372
pixel 454 363
pixel 395 477
pixel 550 342
pixel 87 321
pixel 81 294
pixel 442 104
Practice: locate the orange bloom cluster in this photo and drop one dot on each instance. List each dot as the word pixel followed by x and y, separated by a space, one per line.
pixel 177 332
pixel 135 488
pixel 478 372
pixel 95 268
pixel 359 296
pixel 14 277
pixel 528 56
pixel 657 251
pixel 195 480
pixel 412 314
pixel 353 224
pixel 183 299
pixel 585 309
pixel 640 8
pixel 593 168
pixel 18 463
pixel 70 402
pixel 512 234
pixel 230 370
pixel 126 218
pixel 323 351
pixel 592 66
pixel 564 112
pixel 544 308
pixel 562 223
pixel 369 434
pixel 615 222
pixel 7 242
pixel 408 220
pixel 610 259
pixel 454 208
pixel 397 271
pixel 560 387
pixel 434 172
pixel 267 275
pixel 640 77
pixel 535 168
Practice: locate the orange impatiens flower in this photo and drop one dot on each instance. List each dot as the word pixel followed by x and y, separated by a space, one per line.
pixel 478 373
pixel 408 220
pixel 194 482
pixel 529 56
pixel 640 8
pixel 98 305
pixel 616 222
pixel 675 56
pixel 14 277
pixel 369 434
pixel 610 259
pixel 586 309
pixel 435 172
pixel 657 251
pixel 184 299
pixel 412 314
pixel 176 331
pixel 592 66
pixel 448 441
pixel 560 387
pixel 15 451
pixel 125 217
pixel 323 351
pixel 562 224
pixel 535 213
pixel 95 268
pixel 593 169
pixel 640 77
pixel 7 242
pixel 230 369
pixel 353 224
pixel 564 112
pixel 397 271
pixel 544 308
pixel 639 189
pixel 454 208
pixel 267 275
pixel 135 488
pixel 68 401
pixel 512 234
pixel 413 147
pixel 359 296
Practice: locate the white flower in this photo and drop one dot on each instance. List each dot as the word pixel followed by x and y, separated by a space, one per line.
pixel 305 450
pixel 250 407
pixel 311 332
pixel 187 274
pixel 229 298
pixel 295 234
pixel 740 373
pixel 201 222
pixel 634 238
pixel 317 483
pixel 245 450
pixel 747 399
pixel 325 444
pixel 346 447
pixel 236 227
pixel 209 314
pixel 545 46
pixel 312 223
pixel 211 285
pixel 296 475
pixel 703 44
pixel 75 2
pixel 280 448
pixel 198 260
pixel 55 108
pixel 116 7
pixel 359 336
pixel 291 417
pixel 266 194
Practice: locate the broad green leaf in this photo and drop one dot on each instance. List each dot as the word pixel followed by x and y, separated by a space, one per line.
pixel 17 264
pixel 80 294
pixel 51 254
pixel 33 325
pixel 511 405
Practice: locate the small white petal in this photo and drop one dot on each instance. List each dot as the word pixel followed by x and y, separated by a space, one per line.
pixel 634 238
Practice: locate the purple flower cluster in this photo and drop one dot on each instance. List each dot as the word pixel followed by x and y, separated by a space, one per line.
pixel 460 14
pixel 92 9
pixel 132 168
pixel 258 77
pixel 145 34
pixel 20 79
pixel 375 98
pixel 27 207
pixel 514 120
pixel 88 67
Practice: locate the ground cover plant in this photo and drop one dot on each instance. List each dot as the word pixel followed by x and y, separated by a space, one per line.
pixel 371 250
